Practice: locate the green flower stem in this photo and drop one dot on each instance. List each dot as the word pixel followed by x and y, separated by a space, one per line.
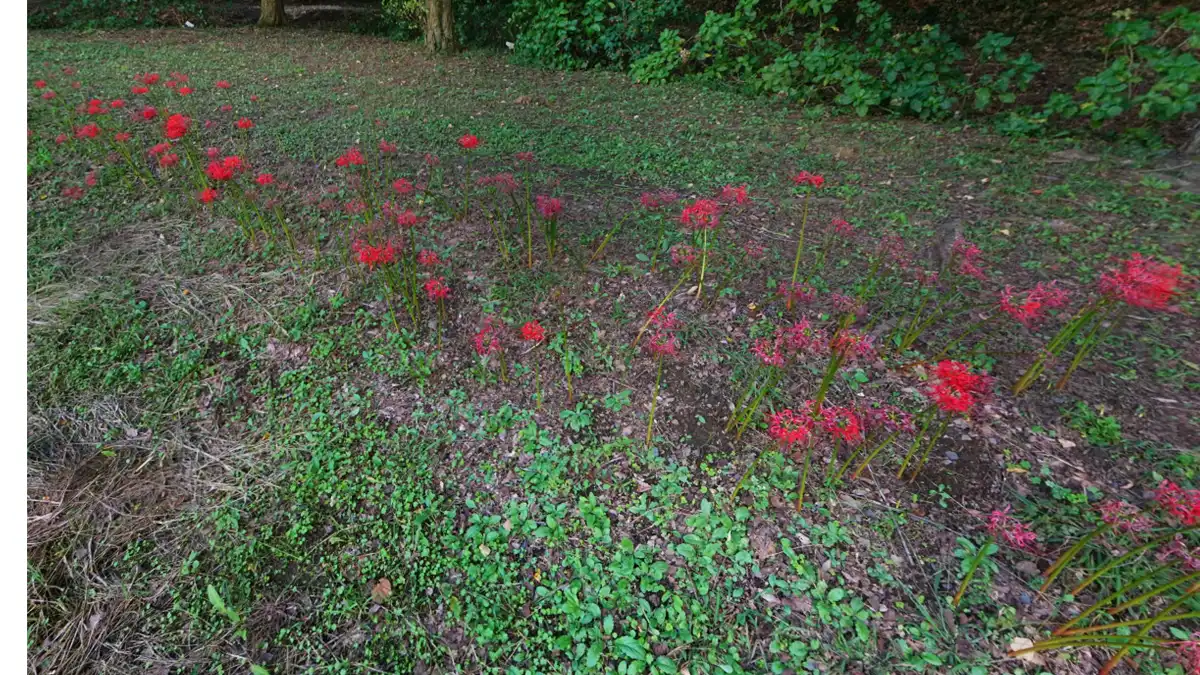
pixel 972 567
pixel 800 240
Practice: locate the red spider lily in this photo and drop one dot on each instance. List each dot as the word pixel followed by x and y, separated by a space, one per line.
pixel 1183 505
pixel 402 186
pixel 264 179
pixel 1011 531
pixel 1123 516
pixel 96 107
pixel 802 338
pixel 356 206
pixel 1189 654
pixel 731 194
pixel 149 112
pixel 683 254
pixel 702 214
pixel 245 123
pixel 887 418
pixel 212 152
pixel 76 85
pixel 408 219
pixel 48 95
pixel 1143 282
pixel 170 84
pixel 532 331
pixel 1177 549
pixel 159 148
pixel 431 159
pixel 254 97
pixel 848 305
pixel 650 200
pixel 437 289
pixel 663 343
pixel 789 429
pixel 168 160
pixel 227 108
pixel 427 258
pixel 387 148
pixel 39 84
pixel 68 70
pixel 503 182
pixel 234 163
pixel 954 388
pixel 73 192
pixel 1030 306
pixel 184 91
pixel 138 90
pixel 806 178
pixel 374 255
pixel 969 258
pixel 767 351
pixel 351 157
pixel 754 249
pixel 661 319
pixel 60 139
pixel 177 126
pixel 468 142
pixel 926 278
pixel 218 171
pixel 90 178
pixel 117 103
pixel 842 424
pixel 487 340
pixel 89 130
pixel 208 196
pixel 148 79
pixel 121 136
pixel 850 344
pixel 208 124
pixel 524 156
pixel 841 227
pixel 222 84
pixel 549 207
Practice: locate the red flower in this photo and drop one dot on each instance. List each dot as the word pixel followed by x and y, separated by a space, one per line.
pixel 848 305
pixel 212 152
pixel 218 171
pixel 148 78
pixel 767 351
pixel 117 103
pixel 149 112
pixel 387 148
pixel 888 418
pixel 754 249
pixel 487 340
pixel 428 258
pixel 138 90
pixel 168 160
pixel 954 388
pixel 663 342
pixel 468 142
pixel 375 255
pixel 437 289
pixel 524 156
pixel 1011 531
pixel 408 219
pixel 504 182
pixel 682 254
pixel 402 186
pixel 1143 282
pixel 48 95
pixel 1189 654
pixel 73 192
pixel 121 137
pixel 208 196
pixel 850 344
pixel 264 179
pixel 969 259
pixel 703 214
pixel 184 91
pixel 222 84
pixel 60 139
pixel 789 429
pixel 432 159
pixel 245 123
pixel 806 178
pixel 1032 307
pixel 794 292
pixel 842 423
pixel 549 207
pixel 76 85
pixel 356 206
pixel 90 178
pixel 226 108
pixel 1183 505
pixel 89 130
pixel 234 163
pixel 734 194
pixel 841 227
pixel 801 337
pixel 96 107
pixel 160 148
pixel 351 157
pixel 532 331
pixel 177 126
pixel 1123 516
pixel 39 84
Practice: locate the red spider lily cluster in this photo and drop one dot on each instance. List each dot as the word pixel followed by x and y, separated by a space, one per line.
pixel 427 258
pixel 1189 654
pixel 374 255
pixel 734 194
pixel 842 424
pixel 549 207
pixel 352 157
pixel 1030 306
pixel 1004 527
pixel 683 255
pixel 532 331
pixel 954 388
pixel 663 340
pixel 789 429
pixel 506 183
pixel 468 142
pixel 702 214
pixel 1123 516
pixel 1143 282
pixel 487 340
pixel 1182 505
pixel 809 179
pixel 969 259
pixel 795 292
pixel 436 289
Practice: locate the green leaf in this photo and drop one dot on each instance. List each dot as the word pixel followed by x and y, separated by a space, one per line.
pixel 665 665
pixel 256 669
pixel 593 654
pixel 630 648
pixel 215 599
pixel 836 595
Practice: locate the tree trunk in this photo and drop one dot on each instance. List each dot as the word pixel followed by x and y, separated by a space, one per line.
pixel 439 27
pixel 271 13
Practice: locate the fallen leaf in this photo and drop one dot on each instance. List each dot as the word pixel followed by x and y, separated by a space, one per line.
pixel 381 591
pixel 1019 643
pixel 1066 444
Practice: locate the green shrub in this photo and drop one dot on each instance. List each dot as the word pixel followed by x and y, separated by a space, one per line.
pixel 87 14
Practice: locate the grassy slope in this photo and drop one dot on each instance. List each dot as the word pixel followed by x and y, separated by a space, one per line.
pixel 200 416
